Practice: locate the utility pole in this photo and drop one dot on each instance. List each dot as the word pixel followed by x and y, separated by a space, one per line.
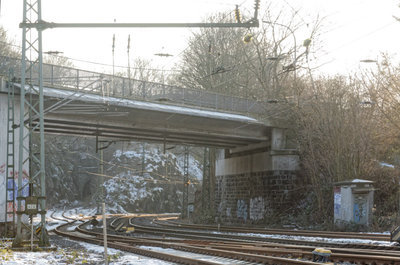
pixel 100 179
pixel 185 183
pixel 31 83
pixel 143 159
pixel 205 190
pixel 113 64
pixel 129 65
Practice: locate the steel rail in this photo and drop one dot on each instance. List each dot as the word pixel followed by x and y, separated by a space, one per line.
pixel 132 249
pixel 183 246
pixel 94 238
pixel 352 235
pixel 254 253
pixel 242 238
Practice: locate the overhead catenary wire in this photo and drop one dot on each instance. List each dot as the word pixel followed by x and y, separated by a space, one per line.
pixel 173 182
pixel 134 170
pixel 174 70
pixel 97 63
pixel 327 53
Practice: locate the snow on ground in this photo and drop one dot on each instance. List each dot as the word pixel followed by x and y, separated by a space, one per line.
pixel 318 239
pixel 87 254
pixel 222 261
pixel 121 257
pixel 68 251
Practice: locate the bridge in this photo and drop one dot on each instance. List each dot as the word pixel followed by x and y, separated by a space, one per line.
pixel 71 101
pixel 253 166
pixel 89 103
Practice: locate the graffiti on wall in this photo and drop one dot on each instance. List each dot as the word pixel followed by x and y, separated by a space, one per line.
pixel 257 208
pixel 241 210
pixel 2 169
pixel 360 210
pixel 337 201
pixel 12 194
pixel 228 212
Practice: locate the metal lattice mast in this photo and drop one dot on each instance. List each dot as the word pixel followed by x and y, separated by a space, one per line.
pixel 102 197
pixel 143 159
pixel 31 84
pixel 185 182
pixel 205 194
pixel 10 182
pixel 99 179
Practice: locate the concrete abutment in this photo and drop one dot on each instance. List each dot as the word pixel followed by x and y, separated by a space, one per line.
pixel 255 182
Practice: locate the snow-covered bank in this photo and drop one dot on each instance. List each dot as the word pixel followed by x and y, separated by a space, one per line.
pixel 83 253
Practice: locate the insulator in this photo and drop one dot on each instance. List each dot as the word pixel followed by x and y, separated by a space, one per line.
pixel 256 7
pixel 306 42
pixel 237 15
pixel 113 42
pixel 247 38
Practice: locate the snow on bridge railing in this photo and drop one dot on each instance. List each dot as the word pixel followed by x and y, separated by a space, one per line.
pixel 116 86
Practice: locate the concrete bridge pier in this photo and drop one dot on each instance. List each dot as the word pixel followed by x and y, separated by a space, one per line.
pixel 254 182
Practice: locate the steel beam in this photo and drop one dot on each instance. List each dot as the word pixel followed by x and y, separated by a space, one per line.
pixel 42 25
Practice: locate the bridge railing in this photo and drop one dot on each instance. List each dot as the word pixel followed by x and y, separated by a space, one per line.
pixel 117 86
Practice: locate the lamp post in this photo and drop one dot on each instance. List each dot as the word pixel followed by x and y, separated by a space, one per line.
pixel 294 39
pixel 369 61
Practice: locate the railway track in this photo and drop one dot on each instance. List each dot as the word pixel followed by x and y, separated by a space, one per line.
pixel 239 251
pixel 308 233
pixel 177 231
pixel 128 245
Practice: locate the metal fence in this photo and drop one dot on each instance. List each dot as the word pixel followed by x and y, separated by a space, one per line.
pixel 116 86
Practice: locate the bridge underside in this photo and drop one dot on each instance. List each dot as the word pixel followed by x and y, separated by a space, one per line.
pixel 72 113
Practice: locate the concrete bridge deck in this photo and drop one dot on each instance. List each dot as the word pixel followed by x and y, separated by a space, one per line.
pixel 86 103
pixel 111 118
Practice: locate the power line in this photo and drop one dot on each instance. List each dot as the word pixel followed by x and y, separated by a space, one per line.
pixel 97 63
pixel 353 41
pixel 136 68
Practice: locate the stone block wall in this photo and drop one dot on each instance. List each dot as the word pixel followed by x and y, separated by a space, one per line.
pixel 255 182
pixel 253 197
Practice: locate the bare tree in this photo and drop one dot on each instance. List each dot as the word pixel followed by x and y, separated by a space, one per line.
pixel 337 135
pixel 7 47
pixel 8 53
pixel 143 70
pixel 260 63
pixel 382 82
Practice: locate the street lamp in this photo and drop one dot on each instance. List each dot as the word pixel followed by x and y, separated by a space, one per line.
pixel 294 39
pixel 368 61
pixel 53 52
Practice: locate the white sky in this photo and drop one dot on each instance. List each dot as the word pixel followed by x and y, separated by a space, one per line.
pixel 354 29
